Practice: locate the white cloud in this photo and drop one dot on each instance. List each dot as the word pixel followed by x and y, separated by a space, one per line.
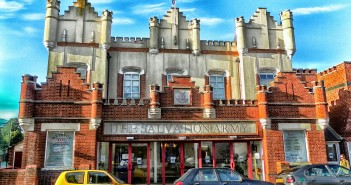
pixel 188 10
pixel 8 114
pixel 10 6
pixel 185 1
pixel 149 9
pixel 100 1
pixel 6 16
pixel 34 16
pixel 29 30
pixel 210 21
pixel 314 10
pixel 122 21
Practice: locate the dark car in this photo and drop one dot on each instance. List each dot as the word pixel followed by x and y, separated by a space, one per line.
pixel 215 176
pixel 328 174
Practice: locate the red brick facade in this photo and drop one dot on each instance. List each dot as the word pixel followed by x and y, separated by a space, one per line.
pixel 65 98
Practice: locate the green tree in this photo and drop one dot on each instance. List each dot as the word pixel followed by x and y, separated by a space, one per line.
pixel 11 134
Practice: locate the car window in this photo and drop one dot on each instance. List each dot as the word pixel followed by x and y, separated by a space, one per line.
pixel 75 177
pixel 339 170
pixel 320 171
pixel 228 175
pixel 98 178
pixel 206 175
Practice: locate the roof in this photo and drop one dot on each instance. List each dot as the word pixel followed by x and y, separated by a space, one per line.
pixel 331 135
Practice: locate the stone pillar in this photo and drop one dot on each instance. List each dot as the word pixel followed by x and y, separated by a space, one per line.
pixel 286 18
pixel 195 27
pixel 154 110
pixel 241 46
pixel 154 44
pixel 51 19
pixel 96 106
pixel 106 21
pixel 321 105
pixel 209 111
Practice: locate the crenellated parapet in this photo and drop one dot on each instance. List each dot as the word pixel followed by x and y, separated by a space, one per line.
pixel 130 42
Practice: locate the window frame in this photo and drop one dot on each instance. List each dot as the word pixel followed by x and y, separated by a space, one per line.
pixel 267 80
pixel 131 85
pixel 215 95
pixel 50 146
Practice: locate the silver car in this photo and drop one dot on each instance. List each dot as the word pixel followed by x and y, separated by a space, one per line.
pixel 321 174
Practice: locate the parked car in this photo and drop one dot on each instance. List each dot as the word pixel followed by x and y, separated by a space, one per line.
pixel 328 174
pixel 215 176
pixel 87 177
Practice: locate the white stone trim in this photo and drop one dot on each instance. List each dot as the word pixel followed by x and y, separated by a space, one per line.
pixel 60 126
pixel 294 126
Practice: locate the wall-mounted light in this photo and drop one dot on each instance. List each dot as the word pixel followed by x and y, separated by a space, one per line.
pixel 233 137
pixel 182 138
pixel 130 138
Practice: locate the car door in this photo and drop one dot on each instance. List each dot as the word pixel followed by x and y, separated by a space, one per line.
pixel 342 174
pixel 230 177
pixel 206 176
pixel 320 175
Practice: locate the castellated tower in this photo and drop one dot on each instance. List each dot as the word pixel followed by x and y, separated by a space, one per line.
pixel 264 46
pixel 78 38
pixel 174 32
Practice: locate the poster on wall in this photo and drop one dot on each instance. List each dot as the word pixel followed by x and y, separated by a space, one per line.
pixel 295 146
pixel 59 149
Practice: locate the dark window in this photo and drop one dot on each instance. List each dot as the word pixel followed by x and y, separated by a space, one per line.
pixel 75 177
pixel 98 178
pixel 228 175
pixel 206 175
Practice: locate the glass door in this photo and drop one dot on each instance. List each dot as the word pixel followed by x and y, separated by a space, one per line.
pixel 222 154
pixel 206 154
pixel 170 156
pixel 120 161
pixel 190 156
pixel 139 169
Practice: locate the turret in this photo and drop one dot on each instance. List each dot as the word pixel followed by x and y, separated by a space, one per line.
pixel 106 22
pixel 153 24
pixel 288 32
pixel 195 27
pixel 240 34
pixel 51 18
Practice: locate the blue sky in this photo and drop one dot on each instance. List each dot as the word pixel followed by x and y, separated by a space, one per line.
pixel 322 32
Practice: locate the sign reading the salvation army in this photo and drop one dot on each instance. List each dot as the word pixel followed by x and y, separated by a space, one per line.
pixel 59 149
pixel 180 128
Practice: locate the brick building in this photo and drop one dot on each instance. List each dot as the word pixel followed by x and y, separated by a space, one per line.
pixel 148 109
pixel 337 80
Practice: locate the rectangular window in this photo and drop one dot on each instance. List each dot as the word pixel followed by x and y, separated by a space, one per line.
pixel 217 82
pixel 131 86
pixel 59 149
pixel 295 146
pixel 266 78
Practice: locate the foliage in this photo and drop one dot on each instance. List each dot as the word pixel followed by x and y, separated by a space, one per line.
pixel 10 134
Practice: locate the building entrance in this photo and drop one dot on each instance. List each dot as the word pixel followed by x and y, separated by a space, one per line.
pixel 164 162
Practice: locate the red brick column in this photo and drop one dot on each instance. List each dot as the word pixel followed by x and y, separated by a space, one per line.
pixel 266 125
pixel 321 105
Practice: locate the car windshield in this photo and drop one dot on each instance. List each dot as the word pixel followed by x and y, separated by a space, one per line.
pixel 290 170
pixel 116 178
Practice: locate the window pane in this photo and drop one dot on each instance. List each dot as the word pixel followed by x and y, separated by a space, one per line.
pixel 127 83
pixel 98 178
pixel 220 78
pixel 127 95
pixel 135 76
pixel 127 89
pixel 135 96
pixel 136 83
pixel 220 84
pixel 212 78
pixel 127 77
pixel 262 77
pixel 135 90
pixel 75 177
pixel 271 77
